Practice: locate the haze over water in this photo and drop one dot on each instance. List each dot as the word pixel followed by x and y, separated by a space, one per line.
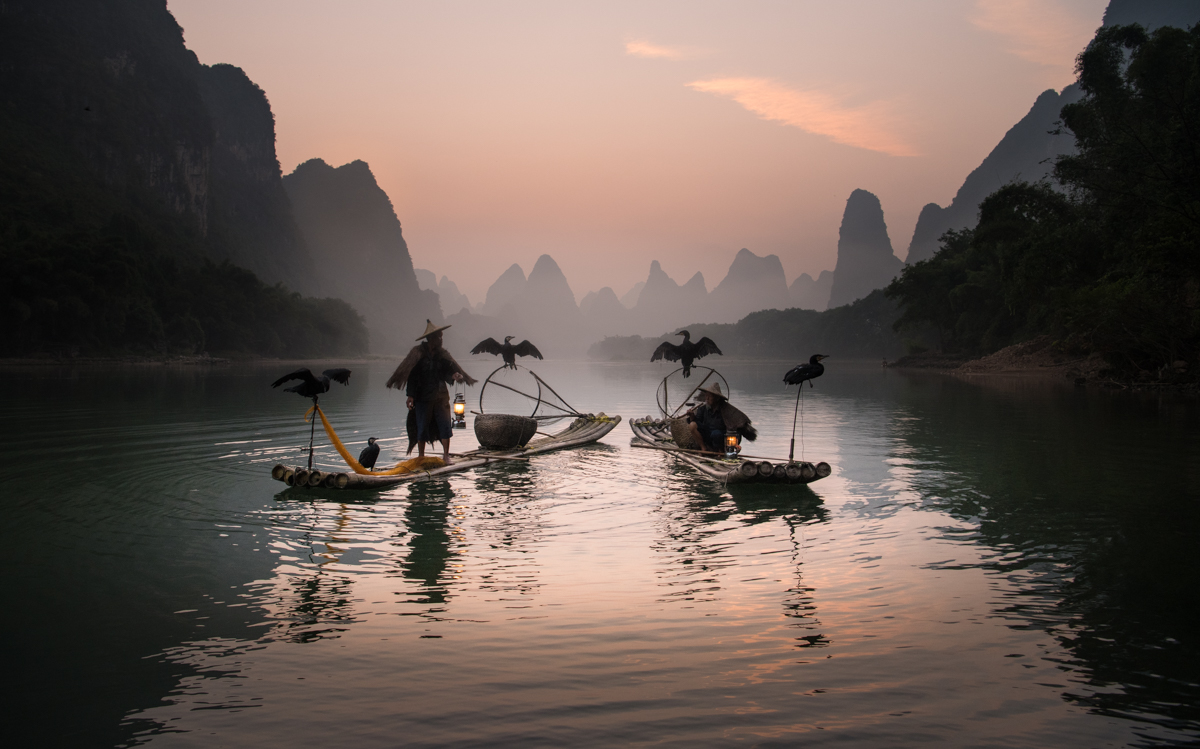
pixel 994 562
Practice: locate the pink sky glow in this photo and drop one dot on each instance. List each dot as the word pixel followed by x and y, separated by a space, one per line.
pixel 610 134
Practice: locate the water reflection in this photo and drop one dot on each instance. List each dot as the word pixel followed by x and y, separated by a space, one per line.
pixel 702 538
pixel 981 555
pixel 1107 569
pixel 432 526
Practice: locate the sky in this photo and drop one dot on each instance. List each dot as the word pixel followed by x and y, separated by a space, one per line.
pixel 610 134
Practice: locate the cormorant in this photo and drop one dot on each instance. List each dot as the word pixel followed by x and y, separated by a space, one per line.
pixel 312 386
pixel 801 372
pixel 369 455
pixel 686 352
pixel 506 350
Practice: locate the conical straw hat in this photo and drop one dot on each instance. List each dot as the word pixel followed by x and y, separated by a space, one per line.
pixel 714 389
pixel 430 329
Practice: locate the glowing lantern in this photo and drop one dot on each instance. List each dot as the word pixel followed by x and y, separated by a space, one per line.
pixel 460 411
pixel 731 444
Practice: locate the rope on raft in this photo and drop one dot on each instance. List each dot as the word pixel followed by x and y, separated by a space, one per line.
pixel 404 466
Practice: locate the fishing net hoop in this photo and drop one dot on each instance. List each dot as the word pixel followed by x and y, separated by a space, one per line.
pixel 541 399
pixel 661 394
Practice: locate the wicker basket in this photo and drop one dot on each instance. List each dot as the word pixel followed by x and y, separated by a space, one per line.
pixel 504 431
pixel 682 434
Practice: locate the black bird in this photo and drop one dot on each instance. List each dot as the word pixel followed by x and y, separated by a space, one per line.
pixel 801 372
pixel 506 350
pixel 686 352
pixel 312 386
pixel 369 455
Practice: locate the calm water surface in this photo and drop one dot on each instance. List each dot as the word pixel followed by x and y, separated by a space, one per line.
pixel 993 563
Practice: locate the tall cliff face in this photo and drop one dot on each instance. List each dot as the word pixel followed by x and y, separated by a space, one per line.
pixel 102 100
pixel 1026 153
pixel 865 261
pixel 250 222
pixel 109 90
pixel 753 283
pixel 359 252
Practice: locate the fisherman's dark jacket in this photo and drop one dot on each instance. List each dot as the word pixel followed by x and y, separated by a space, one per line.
pixel 424 374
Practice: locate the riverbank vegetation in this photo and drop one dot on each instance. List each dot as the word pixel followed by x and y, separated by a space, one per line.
pixel 862 329
pixel 1106 259
pixel 115 290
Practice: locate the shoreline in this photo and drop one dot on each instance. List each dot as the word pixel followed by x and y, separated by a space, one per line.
pixel 1041 358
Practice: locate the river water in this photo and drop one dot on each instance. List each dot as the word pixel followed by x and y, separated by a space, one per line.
pixel 995 562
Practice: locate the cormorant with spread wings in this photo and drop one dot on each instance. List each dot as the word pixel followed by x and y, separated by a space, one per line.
pixel 686 352
pixel 507 350
pixel 311 386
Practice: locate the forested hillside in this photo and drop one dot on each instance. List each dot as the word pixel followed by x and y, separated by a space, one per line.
pixel 1107 260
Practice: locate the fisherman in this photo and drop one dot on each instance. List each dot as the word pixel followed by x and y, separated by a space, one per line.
pixel 710 421
pixel 424 374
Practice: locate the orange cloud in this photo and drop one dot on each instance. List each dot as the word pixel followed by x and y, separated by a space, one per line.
pixel 814 112
pixel 639 48
pixel 1038 31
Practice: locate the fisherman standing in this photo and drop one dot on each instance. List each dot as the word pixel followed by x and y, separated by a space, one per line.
pixel 710 421
pixel 424 374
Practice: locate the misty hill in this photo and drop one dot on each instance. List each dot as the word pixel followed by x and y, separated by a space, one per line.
pixel 359 250
pixel 809 293
pixel 544 302
pixel 125 165
pixel 752 283
pixel 630 298
pixel 602 311
pixel 545 311
pixel 451 299
pixel 665 303
pixel 506 289
pixel 865 260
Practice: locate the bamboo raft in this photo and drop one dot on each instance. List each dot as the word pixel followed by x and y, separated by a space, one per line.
pixel 656 435
pixel 582 431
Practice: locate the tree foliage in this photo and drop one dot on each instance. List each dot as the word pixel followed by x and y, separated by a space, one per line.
pixel 115 290
pixel 1109 259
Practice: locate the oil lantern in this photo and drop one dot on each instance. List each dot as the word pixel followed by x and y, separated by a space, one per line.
pixel 460 411
pixel 731 444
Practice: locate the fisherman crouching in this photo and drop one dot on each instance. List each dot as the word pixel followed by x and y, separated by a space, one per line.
pixel 424 374
pixel 713 419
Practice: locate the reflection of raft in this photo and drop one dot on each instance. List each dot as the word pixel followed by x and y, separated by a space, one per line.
pixel 582 431
pixel 656 435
